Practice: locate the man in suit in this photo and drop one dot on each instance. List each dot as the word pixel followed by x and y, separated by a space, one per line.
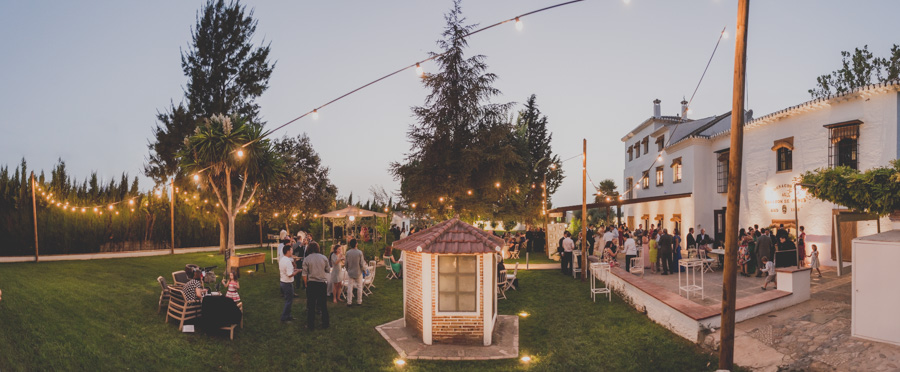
pixel 782 233
pixel 691 242
pixel 763 249
pixel 665 251
pixel 355 263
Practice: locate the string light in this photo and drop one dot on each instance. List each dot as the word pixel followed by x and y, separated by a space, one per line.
pixel 196 178
pixel 469 192
pixel 724 34
pixel 240 153
pixel 420 72
pixel 519 25
pixel 315 114
pixel 497 185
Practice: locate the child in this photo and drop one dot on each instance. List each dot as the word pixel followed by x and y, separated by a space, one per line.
pixel 770 270
pixel 814 259
pixel 233 285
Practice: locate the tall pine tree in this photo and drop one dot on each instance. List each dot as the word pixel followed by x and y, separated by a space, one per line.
pixel 539 158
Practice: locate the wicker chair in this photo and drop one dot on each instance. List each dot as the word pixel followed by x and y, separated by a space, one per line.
pixel 179 309
pixel 163 294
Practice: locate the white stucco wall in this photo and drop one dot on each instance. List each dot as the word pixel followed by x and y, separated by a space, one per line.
pixel 766 194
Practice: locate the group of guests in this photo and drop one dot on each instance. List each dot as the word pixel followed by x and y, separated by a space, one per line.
pixel 663 251
pixel 316 271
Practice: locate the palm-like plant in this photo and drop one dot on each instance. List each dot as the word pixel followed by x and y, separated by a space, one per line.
pixel 230 156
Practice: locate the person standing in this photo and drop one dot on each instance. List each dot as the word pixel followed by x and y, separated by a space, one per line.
pixel 801 247
pixel 355 263
pixel 335 260
pixel 287 270
pixel 645 249
pixel 654 252
pixel 691 242
pixel 676 250
pixel 630 251
pixel 814 260
pixel 590 239
pixel 665 252
pixel 763 249
pixel 568 247
pixel 316 269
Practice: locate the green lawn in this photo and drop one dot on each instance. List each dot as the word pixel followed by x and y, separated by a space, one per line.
pixel 101 314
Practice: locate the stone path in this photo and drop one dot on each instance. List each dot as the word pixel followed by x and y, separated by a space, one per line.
pixel 812 336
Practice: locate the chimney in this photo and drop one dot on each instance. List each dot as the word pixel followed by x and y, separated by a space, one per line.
pixel 656 110
pixel 684 109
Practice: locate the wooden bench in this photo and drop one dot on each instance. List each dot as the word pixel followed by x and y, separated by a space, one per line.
pixel 242 260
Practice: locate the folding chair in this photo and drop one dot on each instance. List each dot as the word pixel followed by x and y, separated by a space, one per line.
pixel 707 262
pixel 369 281
pixel 637 265
pixel 391 274
pixel 164 294
pixel 501 284
pixel 576 260
pixel 510 278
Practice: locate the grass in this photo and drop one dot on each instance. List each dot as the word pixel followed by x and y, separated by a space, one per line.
pixel 101 314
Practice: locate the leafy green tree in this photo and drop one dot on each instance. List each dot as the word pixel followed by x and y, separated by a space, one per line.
pixel 537 154
pixel 463 157
pixel 305 189
pixel 858 69
pixel 873 191
pixel 210 155
pixel 226 74
pixel 607 189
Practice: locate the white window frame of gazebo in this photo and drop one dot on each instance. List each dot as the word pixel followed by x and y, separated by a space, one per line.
pixel 437 286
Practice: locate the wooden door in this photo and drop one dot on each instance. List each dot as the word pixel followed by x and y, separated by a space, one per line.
pixel 848 233
pixel 719 226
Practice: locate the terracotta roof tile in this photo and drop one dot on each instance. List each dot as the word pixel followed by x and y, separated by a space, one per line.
pixel 451 237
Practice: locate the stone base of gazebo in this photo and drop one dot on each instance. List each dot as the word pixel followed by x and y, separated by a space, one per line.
pixel 504 345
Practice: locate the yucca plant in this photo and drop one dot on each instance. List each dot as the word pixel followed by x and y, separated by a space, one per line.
pixel 230 156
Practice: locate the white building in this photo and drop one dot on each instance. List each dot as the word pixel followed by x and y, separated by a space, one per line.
pixel 681 165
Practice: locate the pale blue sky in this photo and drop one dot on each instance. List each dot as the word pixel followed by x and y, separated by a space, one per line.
pixel 82 81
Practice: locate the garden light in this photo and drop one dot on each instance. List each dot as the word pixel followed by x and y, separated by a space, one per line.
pixel 399 362
pixel 523 314
pixel 525 359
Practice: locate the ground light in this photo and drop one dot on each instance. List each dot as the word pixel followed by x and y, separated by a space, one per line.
pixel 524 314
pixel 525 359
pixel 399 362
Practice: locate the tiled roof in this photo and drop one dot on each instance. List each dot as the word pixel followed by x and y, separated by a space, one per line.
pixel 451 237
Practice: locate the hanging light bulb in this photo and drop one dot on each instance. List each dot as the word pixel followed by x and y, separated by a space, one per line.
pixel 420 72
pixel 82 210
pixel 240 153
pixel 196 177
pixel 413 205
pixel 469 192
pixel 441 199
pixel 519 25
pixel 131 202
pixel 497 185
pixel 607 198
pixel 95 209
pixel 724 34
pixel 315 114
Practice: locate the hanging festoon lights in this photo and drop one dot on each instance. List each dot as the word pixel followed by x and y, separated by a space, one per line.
pixel 240 153
pixel 315 114
pixel 420 72
pixel 519 25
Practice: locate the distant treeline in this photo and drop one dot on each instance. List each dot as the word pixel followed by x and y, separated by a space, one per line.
pixel 141 224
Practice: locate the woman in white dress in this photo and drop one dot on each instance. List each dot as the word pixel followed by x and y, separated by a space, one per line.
pixel 814 259
pixel 336 259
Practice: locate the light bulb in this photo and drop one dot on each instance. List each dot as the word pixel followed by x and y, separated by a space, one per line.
pixel 110 207
pixel 519 24
pixel 724 34
pixel 315 114
pixel 469 192
pixel 607 198
pixel 420 72
pixel 352 218
pixel 240 153
pixel 95 209
pixel 196 177
pixel 441 199
pixel 659 158
pixel 497 185
pixel 413 205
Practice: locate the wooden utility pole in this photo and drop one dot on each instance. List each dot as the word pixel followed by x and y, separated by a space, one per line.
pixel 545 215
pixel 34 212
pixel 172 215
pixel 732 212
pixel 583 212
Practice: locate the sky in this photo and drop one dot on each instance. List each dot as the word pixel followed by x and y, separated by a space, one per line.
pixel 83 81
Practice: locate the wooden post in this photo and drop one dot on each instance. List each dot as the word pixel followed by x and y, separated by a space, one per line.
pixel 259 218
pixel 545 215
pixel 34 212
pixel 732 212
pixel 583 212
pixel 172 215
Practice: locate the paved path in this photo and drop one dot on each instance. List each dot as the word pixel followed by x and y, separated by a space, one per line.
pixel 812 336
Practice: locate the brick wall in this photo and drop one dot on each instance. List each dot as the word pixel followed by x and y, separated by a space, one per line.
pixel 457 329
pixel 413 278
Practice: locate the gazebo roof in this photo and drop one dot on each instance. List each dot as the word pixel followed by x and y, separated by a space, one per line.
pixel 352 211
pixel 451 237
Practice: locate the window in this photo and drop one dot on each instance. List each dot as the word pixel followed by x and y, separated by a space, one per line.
pixel 646 143
pixel 629 186
pixel 457 283
pixel 659 176
pixel 645 180
pixel 784 149
pixel 785 161
pixel 637 149
pixel 630 153
pixel 722 172
pixel 676 170
pixel 843 144
pixel 661 143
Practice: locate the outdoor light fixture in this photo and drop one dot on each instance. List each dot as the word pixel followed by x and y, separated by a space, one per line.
pixel 525 359
pixel 240 153
pixel 315 114
pixel 523 314
pixel 131 202
pixel 196 177
pixel 607 198
pixel 352 218
pixel 659 158
pixel 519 24
pixel 469 192
pixel 420 72
pixel 276 214
pixel 82 210
pixel 110 207
pixel 441 199
pixel 95 209
pixel 553 166
pixel 724 34
pixel 419 249
pixel 385 210
pixel 497 185
pixel 399 362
